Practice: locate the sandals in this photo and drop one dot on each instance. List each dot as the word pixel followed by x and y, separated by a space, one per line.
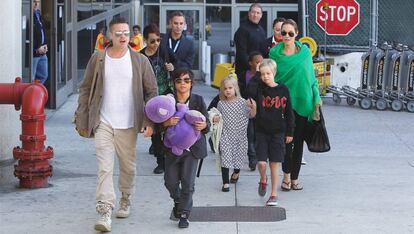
pixel 234 178
pixel 225 188
pixel 297 186
pixel 287 186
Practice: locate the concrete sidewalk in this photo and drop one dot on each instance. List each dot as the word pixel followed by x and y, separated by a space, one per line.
pixel 363 185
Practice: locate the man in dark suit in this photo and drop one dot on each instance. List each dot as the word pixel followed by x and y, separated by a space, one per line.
pixel 40 61
pixel 182 46
pixel 180 170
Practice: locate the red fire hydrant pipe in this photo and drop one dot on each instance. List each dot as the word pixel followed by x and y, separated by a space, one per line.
pixel 33 167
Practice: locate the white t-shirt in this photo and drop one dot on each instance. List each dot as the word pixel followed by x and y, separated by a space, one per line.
pixel 118 100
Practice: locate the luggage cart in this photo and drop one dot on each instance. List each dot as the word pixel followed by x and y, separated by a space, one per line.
pixel 407 80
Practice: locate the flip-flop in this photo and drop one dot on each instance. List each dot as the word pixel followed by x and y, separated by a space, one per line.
pixel 297 186
pixel 287 188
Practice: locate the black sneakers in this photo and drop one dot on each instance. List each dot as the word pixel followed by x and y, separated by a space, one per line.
pixel 159 169
pixel 175 216
pixel 183 223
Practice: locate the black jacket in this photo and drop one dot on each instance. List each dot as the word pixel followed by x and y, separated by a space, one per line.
pixel 37 34
pixel 185 51
pixel 199 149
pixel 249 37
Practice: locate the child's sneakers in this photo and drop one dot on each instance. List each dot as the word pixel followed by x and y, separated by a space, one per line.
pixel 272 201
pixel 183 223
pixel 262 188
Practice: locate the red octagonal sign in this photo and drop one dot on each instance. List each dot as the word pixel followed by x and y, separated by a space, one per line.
pixel 337 17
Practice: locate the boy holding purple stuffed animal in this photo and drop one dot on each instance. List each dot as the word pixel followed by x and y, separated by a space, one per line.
pixel 181 169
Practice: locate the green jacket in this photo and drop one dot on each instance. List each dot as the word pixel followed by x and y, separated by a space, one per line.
pixel 297 73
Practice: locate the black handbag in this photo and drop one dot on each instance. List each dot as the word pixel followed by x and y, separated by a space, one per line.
pixel 316 137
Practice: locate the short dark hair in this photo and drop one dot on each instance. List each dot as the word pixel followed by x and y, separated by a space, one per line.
pixel 253 54
pixel 136 27
pixel 151 28
pixel 177 73
pixel 117 20
pixel 277 20
pixel 176 13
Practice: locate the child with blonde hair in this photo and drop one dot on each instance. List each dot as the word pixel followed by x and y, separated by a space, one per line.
pixel 235 113
pixel 274 124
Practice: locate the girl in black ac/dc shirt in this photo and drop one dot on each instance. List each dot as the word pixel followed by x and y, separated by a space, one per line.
pixel 274 124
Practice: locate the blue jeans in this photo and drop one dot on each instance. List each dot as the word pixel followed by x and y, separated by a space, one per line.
pixel 39 68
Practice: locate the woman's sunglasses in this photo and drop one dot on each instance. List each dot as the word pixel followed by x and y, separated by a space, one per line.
pixel 291 34
pixel 185 80
pixel 155 40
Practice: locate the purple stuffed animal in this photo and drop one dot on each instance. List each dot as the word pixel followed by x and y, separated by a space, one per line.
pixel 160 108
pixel 183 135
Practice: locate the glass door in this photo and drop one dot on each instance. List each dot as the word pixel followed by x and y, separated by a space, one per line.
pixel 194 29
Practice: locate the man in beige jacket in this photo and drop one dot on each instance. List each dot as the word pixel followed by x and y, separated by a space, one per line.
pixel 125 81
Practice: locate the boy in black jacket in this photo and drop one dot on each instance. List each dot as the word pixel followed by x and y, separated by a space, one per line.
pixel 180 170
pixel 274 124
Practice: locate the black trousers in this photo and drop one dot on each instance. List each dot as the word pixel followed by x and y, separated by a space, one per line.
pixel 179 179
pixel 251 142
pixel 158 147
pixel 294 150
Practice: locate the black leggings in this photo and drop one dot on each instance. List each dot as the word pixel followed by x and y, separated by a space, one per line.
pixel 294 150
pixel 225 174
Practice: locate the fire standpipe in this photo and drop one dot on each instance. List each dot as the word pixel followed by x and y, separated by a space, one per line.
pixel 33 167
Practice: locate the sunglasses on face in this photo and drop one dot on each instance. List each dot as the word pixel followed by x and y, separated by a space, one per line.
pixel 155 40
pixel 185 80
pixel 120 33
pixel 291 34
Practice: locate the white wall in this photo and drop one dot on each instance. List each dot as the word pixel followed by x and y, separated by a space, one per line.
pixel 10 67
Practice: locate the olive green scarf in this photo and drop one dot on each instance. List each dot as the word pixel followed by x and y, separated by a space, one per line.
pixel 297 73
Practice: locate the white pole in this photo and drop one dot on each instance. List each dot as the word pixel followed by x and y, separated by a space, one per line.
pixel 208 65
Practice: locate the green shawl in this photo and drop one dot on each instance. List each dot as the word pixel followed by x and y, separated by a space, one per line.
pixel 297 73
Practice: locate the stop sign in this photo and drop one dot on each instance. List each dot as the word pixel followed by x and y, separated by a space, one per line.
pixel 341 16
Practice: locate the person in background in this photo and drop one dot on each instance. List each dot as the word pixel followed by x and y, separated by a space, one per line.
pixel 250 36
pixel 101 40
pixel 162 61
pixel 182 46
pixel 40 61
pixel 137 41
pixel 125 81
pixel 295 70
pixel 180 170
pixel 277 36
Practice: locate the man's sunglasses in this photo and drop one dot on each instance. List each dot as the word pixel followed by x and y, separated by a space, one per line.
pixel 120 33
pixel 185 80
pixel 291 34
pixel 155 40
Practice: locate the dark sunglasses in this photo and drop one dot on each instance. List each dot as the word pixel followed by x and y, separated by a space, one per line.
pixel 185 80
pixel 156 40
pixel 291 34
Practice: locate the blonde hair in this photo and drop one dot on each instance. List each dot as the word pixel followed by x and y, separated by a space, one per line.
pixel 270 64
pixel 233 82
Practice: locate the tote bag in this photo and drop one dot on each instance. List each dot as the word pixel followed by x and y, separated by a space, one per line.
pixel 316 136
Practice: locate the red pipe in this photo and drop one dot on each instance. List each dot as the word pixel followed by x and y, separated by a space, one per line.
pixel 33 167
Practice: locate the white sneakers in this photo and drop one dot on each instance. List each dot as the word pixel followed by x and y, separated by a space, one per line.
pixel 105 211
pixel 104 222
pixel 124 206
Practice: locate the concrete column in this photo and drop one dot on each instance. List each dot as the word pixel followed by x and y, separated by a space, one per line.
pixel 10 67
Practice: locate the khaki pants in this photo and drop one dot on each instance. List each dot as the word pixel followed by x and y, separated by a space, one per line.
pixel 109 141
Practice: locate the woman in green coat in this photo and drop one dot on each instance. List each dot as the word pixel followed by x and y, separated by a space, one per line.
pixel 295 70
